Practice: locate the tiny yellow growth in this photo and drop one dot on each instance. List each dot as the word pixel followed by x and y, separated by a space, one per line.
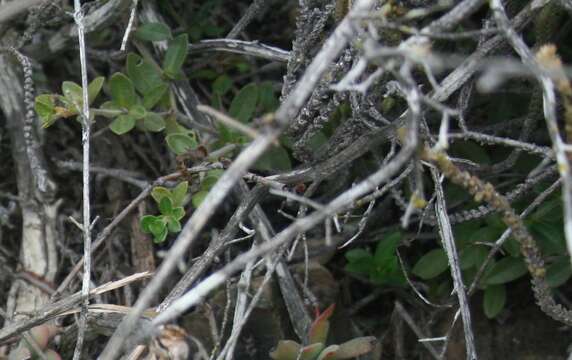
pixel 418 202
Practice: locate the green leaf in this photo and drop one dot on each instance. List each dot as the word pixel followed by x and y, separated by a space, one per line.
pixel 138 112
pixel 222 84
pixel 472 256
pixel 216 101
pixel 144 75
pixel 486 234
pixel 320 327
pixel 122 124
pixel 110 105
pixel 385 250
pixel 244 103
pixel 356 347
pixel 494 300
pixel 549 211
pixel 550 237
pixel 212 177
pixel 173 127
pixel 94 88
pixel 180 143
pixel 153 122
pixel 268 99
pixel 147 222
pixel 494 220
pixel 242 67
pixel 173 224
pixel 176 55
pixel 154 95
pixel 179 192
pixel 166 206
pixel 286 350
pixel 512 247
pixel 364 267
pixel 178 213
pixel 276 158
pixel 45 108
pixel 360 261
pixel 160 236
pixel 356 255
pixel 198 198
pixel 73 93
pixel 310 352
pixel 505 270
pixel 464 231
pixel 157 227
pixel 329 353
pixel 160 192
pixel 559 271
pixel 431 264
pixel 153 32
pixel 388 274
pixel 122 90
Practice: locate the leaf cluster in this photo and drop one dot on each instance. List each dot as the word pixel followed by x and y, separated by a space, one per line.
pixel 170 203
pixel 382 267
pixel 316 348
pixel 474 241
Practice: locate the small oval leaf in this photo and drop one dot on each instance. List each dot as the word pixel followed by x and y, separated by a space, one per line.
pixel 179 192
pixel 181 143
pixel 178 213
pixel 154 95
pixel 73 93
pixel 166 206
pixel 244 103
pixel 559 271
pixel 329 353
pixel 173 224
pixel 153 32
pixel 122 124
pixel 198 198
pixel 506 270
pixel 431 264
pixel 153 122
pixel 45 108
pixel 122 90
pixel 286 350
pixel 356 347
pixel 176 55
pixel 147 222
pixel 94 88
pixel 319 329
pixel 494 300
pixel 160 236
pixel 159 192
pixel 138 112
pixel 274 159
pixel 222 84
pixel 144 75
pixel 310 352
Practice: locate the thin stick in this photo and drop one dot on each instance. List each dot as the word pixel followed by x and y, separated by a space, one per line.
pixel 448 240
pixel 85 135
pixel 129 25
